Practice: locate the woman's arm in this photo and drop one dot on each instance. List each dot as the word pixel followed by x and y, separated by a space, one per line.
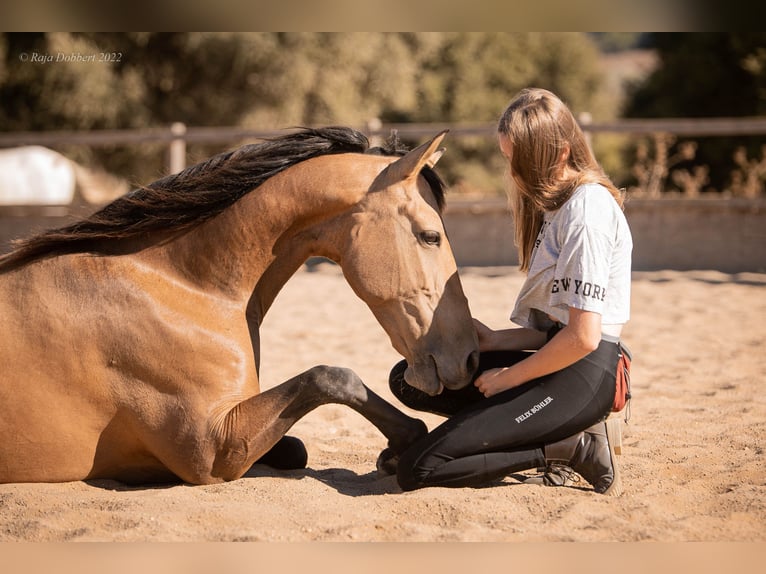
pixel 580 337
pixel 519 339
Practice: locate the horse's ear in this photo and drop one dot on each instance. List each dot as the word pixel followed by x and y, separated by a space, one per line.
pixel 436 156
pixel 409 166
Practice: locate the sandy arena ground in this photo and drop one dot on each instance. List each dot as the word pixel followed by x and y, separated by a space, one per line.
pixel 692 464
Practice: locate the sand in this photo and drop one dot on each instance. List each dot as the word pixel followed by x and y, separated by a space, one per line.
pixel 692 463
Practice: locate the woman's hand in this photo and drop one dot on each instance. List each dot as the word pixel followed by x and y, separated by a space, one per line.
pixel 493 381
pixel 580 337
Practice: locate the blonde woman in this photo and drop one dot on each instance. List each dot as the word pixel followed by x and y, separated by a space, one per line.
pixel 544 390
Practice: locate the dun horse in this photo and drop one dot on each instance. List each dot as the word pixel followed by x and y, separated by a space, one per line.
pixel 129 343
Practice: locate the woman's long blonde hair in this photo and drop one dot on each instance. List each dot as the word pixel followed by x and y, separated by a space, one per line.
pixel 540 128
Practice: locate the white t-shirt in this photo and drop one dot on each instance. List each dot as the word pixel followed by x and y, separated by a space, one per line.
pixel 581 259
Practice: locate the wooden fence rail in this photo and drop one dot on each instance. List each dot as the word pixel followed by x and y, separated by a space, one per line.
pixel 727 235
pixel 178 134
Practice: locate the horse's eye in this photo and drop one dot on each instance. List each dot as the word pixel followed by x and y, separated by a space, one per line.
pixel 431 238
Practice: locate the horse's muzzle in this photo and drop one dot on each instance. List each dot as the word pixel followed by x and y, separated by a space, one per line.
pixel 432 375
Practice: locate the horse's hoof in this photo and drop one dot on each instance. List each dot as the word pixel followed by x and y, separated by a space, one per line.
pixel 387 462
pixel 289 453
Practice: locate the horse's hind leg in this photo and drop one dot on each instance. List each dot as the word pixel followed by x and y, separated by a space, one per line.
pixel 254 426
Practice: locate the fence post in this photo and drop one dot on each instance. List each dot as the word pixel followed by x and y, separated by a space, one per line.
pixel 585 119
pixel 373 127
pixel 177 150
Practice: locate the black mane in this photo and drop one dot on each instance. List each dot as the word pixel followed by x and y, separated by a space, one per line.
pixel 180 202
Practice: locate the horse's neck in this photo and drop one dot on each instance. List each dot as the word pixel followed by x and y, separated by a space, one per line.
pixel 251 249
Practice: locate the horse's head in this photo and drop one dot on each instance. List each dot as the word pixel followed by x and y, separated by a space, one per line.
pixel 397 258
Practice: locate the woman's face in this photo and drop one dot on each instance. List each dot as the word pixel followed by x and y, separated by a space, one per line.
pixel 506 148
pixel 563 170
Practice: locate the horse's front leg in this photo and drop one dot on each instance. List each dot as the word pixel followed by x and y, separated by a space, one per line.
pixel 254 426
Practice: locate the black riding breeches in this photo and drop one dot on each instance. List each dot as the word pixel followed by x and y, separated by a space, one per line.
pixel 485 439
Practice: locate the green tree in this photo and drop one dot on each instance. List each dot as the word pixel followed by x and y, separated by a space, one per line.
pixel 273 80
pixel 323 78
pixel 262 80
pixel 37 94
pixel 707 75
pixel 471 77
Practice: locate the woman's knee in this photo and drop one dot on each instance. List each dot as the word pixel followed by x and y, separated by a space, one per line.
pixel 396 378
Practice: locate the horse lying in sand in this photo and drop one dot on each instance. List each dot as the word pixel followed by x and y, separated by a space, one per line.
pixel 129 343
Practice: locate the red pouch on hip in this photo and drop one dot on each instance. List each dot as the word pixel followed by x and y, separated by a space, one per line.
pixel 622 394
